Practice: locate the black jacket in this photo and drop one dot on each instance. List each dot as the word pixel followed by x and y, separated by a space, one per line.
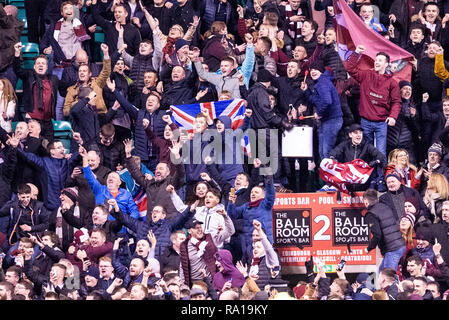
pixel 45 260
pixel 169 260
pixel 35 212
pixel 423 212
pixel 405 132
pixel 347 151
pixel 441 232
pixel 131 34
pixel 29 77
pixel 111 227
pixel 263 116
pixel 112 155
pixel 330 58
pixel 384 228
pixel 289 93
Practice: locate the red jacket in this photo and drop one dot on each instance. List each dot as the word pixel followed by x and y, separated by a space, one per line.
pixel 414 183
pixel 379 93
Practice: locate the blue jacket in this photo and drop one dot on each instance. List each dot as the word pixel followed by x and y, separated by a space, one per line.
pixel 162 229
pixel 262 213
pixel 144 147
pixel 57 171
pixel 324 98
pixel 124 199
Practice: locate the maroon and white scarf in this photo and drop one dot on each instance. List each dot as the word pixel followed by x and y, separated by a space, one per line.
pixel 294 28
pixel 78 28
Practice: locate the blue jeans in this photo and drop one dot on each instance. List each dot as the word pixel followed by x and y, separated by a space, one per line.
pixel 375 131
pixel 327 136
pixel 391 259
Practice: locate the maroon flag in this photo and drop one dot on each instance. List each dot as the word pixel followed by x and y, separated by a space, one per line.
pixel 352 31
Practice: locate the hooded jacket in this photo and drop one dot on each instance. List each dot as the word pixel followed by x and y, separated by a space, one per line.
pixel 229 272
pixel 229 147
pixel 379 93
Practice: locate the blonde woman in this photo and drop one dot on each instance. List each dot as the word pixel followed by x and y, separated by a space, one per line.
pixel 8 100
pixel 436 193
pixel 398 163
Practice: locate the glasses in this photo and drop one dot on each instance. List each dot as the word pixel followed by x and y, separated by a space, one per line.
pixel 217 257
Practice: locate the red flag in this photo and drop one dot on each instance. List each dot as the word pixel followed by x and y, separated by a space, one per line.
pixel 352 31
pixel 340 174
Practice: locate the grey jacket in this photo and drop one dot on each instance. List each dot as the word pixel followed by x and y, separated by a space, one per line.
pixel 228 83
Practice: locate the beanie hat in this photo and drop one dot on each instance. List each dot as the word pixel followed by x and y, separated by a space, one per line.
pixel 93 272
pixel 81 236
pixel 362 277
pixel 393 175
pixel 317 65
pixel 180 43
pixel 264 76
pixel 404 83
pixel 413 201
pixel 410 217
pixel 436 148
pixel 424 233
pixel 71 193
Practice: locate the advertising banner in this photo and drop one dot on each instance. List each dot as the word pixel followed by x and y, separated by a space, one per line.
pixel 316 224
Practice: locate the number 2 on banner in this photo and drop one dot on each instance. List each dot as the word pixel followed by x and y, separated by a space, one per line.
pixel 320 234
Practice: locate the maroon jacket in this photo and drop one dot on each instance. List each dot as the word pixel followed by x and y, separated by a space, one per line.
pixel 93 254
pixel 208 257
pixel 379 93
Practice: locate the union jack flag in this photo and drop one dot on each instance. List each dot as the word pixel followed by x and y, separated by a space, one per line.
pixel 184 115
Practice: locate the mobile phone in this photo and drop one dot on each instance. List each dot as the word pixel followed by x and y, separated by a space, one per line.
pixel 232 191
pixel 341 265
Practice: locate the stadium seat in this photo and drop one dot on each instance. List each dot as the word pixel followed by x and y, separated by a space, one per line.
pixel 63 132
